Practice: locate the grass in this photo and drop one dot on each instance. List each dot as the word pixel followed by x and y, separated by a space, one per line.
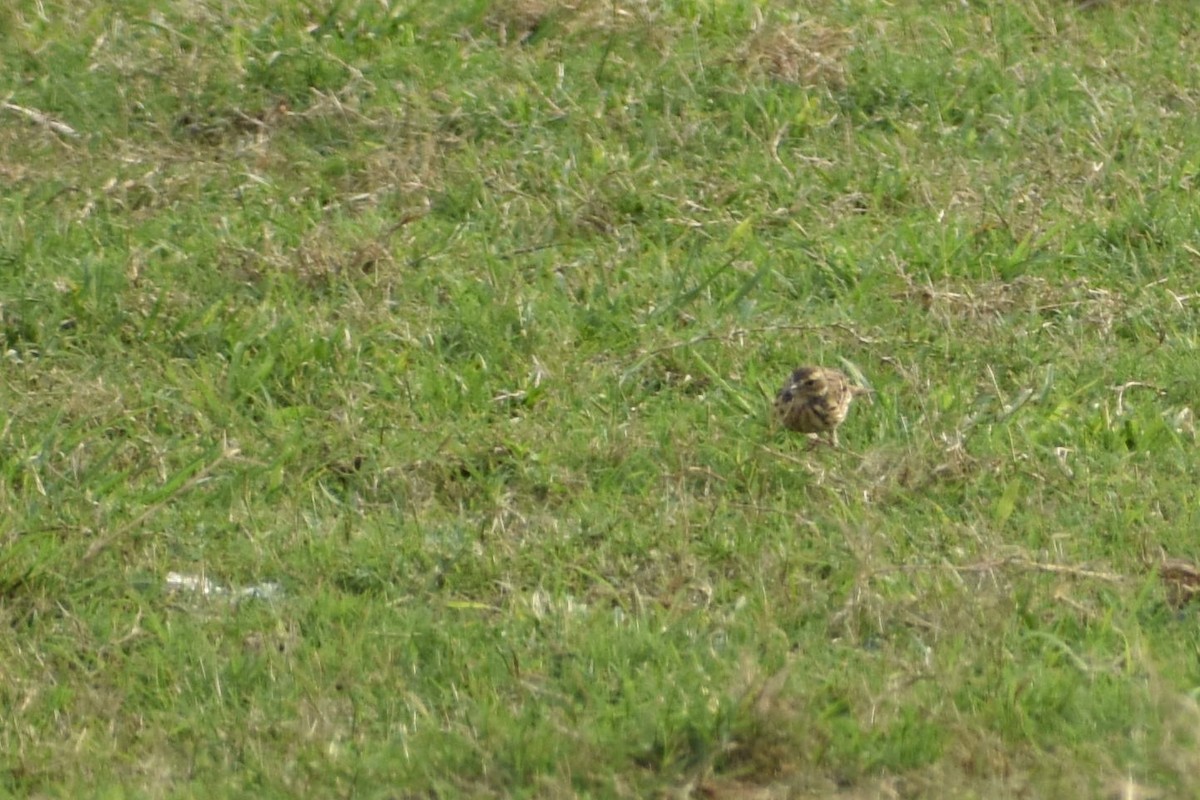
pixel 461 324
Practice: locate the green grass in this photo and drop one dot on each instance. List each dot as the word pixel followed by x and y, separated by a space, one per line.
pixel 462 326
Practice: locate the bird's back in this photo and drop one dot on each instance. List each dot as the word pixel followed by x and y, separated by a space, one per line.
pixel 814 400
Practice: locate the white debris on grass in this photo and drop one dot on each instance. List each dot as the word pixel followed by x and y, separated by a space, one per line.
pixel 201 585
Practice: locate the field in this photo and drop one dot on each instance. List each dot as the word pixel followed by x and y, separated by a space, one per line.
pixel 385 397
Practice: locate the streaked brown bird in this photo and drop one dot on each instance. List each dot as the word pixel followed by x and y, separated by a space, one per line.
pixel 816 400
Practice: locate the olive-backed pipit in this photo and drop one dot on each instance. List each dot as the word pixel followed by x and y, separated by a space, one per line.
pixel 816 400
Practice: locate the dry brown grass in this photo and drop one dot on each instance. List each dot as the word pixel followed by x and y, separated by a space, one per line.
pixel 805 53
pixel 988 303
pixel 520 21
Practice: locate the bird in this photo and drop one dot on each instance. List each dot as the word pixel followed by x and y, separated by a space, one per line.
pixel 816 400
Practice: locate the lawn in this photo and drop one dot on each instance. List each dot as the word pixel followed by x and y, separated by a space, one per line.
pixel 385 399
